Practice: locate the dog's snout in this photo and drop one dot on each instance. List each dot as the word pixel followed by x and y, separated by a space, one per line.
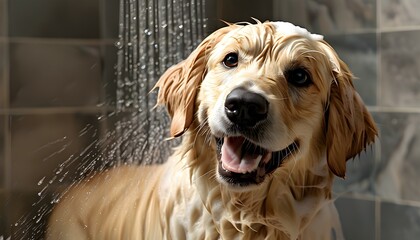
pixel 245 108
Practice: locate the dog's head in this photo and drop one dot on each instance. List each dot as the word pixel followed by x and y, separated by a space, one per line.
pixel 266 92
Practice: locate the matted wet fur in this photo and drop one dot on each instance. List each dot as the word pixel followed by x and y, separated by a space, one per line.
pixel 268 114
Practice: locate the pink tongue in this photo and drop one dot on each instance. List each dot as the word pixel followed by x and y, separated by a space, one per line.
pixel 232 159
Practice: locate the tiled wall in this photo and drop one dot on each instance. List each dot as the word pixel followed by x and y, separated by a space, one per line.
pixel 57 69
pixel 379 39
pixel 57 61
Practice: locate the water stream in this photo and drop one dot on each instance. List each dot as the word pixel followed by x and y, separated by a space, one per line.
pixel 153 35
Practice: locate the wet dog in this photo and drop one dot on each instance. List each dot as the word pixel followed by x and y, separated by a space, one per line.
pixel 268 114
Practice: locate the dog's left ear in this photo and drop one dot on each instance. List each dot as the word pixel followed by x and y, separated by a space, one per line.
pixel 350 127
pixel 178 86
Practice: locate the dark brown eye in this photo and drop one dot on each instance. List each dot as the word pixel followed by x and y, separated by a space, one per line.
pixel 231 60
pixel 298 77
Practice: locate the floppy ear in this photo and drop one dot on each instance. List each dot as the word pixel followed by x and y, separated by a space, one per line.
pixel 178 86
pixel 350 127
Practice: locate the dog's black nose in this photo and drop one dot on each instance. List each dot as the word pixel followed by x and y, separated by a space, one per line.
pixel 245 108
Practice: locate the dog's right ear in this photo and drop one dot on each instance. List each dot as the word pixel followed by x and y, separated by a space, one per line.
pixel 178 86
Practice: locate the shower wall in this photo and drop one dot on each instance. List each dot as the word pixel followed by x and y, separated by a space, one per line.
pixel 57 80
pixel 378 39
pixel 57 76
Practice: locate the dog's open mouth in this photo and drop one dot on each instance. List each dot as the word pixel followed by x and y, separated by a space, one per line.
pixel 242 163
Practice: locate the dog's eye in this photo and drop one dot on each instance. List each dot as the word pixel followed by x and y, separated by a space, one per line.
pixel 231 60
pixel 298 77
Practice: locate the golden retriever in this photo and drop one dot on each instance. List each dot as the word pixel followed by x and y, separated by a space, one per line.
pixel 268 114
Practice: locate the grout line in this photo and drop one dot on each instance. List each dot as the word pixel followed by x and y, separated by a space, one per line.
pixel 411 203
pixel 378 218
pixel 56 110
pixel 385 109
pixel 357 196
pixel 66 110
pixel 378 53
pixel 377 154
pixel 66 41
pixel 6 127
pixel 351 32
pixel 7 153
pixel 102 20
pixel 400 29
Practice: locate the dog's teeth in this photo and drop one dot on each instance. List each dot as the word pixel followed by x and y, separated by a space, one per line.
pixel 258 159
pixel 257 162
pixel 223 167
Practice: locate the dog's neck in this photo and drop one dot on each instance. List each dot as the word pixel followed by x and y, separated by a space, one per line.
pixel 286 201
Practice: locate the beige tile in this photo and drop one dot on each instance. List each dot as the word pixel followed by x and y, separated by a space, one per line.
pixel 400 69
pixel 399 13
pixel 359 52
pixel 328 16
pixel 357 214
pixel 398 172
pixel 399 221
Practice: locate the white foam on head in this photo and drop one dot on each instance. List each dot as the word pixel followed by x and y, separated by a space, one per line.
pixel 286 28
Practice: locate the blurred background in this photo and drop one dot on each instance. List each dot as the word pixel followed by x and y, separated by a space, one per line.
pixel 61 71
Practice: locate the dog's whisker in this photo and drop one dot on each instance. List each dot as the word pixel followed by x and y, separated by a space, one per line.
pixel 294 158
pixel 211 174
pixel 281 99
pixel 205 131
pixel 202 130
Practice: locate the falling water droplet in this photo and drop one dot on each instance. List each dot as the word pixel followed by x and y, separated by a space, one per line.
pixel 41 181
pixel 119 45
pixel 148 32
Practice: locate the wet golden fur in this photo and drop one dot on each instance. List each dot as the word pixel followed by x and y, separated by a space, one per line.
pixel 184 199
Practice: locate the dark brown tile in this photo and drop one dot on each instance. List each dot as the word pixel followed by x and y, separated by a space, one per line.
pixel 211 13
pixel 109 18
pixel 28 214
pixel 4 215
pixel 3 18
pixel 229 11
pixel 54 19
pixel 399 221
pixel 55 75
pixel 357 214
pixel 109 75
pixel 52 150
pixel 59 149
